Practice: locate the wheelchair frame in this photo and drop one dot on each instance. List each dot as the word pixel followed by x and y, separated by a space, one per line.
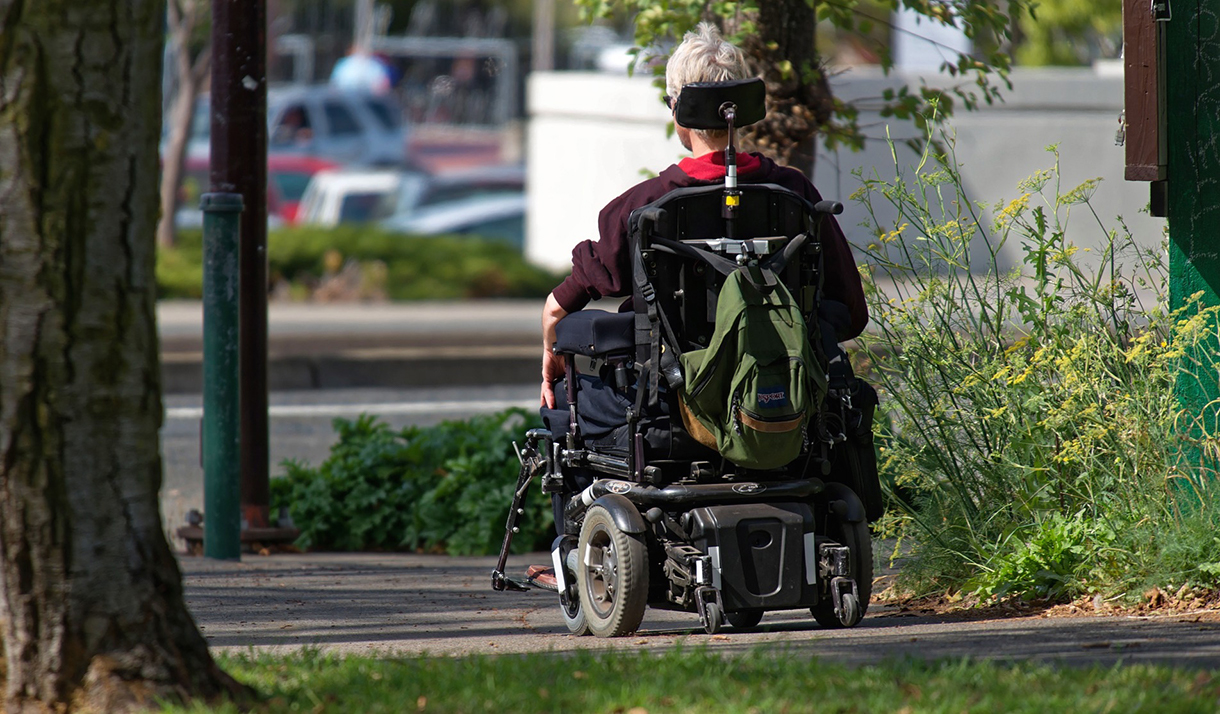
pixel 692 531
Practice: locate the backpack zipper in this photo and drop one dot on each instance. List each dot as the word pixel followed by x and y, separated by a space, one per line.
pixel 788 423
pixel 709 370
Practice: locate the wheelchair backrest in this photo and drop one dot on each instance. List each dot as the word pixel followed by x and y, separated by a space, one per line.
pixel 768 218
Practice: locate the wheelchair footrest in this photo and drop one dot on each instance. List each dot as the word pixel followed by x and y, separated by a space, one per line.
pixel 501 582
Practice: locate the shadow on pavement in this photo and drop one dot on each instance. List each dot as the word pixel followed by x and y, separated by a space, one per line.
pixel 413 604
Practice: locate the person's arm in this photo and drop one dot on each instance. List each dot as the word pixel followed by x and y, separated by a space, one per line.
pixel 840 276
pixel 552 364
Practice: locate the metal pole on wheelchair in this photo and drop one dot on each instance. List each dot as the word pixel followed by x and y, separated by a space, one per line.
pixel 732 195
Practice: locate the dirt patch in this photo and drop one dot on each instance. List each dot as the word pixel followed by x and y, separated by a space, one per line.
pixel 1186 604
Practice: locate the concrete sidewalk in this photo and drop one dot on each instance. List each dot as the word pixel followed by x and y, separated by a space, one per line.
pixel 406 604
pixel 341 346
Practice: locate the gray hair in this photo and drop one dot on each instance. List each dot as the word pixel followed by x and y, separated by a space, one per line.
pixel 704 56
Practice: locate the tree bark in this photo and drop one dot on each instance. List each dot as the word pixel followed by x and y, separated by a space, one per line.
pixel 783 51
pixel 92 613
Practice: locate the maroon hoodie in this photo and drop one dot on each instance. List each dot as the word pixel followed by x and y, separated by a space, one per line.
pixel 603 267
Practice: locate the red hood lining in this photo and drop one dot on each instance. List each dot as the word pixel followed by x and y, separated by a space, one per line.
pixel 711 166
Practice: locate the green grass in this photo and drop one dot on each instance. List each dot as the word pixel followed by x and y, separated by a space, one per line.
pixel 699 680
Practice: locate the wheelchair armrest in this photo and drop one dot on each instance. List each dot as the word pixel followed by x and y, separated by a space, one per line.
pixel 596 333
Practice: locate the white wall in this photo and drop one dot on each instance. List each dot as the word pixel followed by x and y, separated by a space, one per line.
pixel 590 135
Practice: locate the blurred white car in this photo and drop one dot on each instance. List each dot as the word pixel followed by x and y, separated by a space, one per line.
pixel 451 186
pixel 498 217
pixel 352 196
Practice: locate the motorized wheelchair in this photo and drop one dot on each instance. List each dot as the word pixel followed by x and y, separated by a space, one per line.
pixel 647 513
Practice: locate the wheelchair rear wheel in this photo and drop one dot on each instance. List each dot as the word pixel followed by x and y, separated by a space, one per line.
pixel 612 575
pixel 744 619
pixel 858 538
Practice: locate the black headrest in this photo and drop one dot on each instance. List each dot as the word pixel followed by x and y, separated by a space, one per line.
pixel 699 103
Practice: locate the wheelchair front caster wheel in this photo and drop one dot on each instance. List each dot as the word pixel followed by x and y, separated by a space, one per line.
pixel 574 616
pixel 569 601
pixel 713 618
pixel 849 613
pixel 611 575
pixel 857 538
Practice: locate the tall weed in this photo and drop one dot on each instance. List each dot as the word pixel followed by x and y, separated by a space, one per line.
pixel 1030 437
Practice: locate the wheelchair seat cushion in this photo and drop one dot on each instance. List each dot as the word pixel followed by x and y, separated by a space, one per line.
pixel 595 333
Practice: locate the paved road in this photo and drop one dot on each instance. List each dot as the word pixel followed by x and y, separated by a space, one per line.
pixel 386 345
pixel 300 427
pixel 181 321
pixel 410 604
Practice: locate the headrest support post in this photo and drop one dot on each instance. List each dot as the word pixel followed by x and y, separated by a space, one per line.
pixel 732 196
pixel 728 110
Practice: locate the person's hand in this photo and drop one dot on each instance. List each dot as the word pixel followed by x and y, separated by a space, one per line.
pixel 553 365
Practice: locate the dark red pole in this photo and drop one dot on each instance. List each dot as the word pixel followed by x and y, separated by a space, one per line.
pixel 239 165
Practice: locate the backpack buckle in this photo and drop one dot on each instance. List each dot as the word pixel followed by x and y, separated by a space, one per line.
pixel 648 292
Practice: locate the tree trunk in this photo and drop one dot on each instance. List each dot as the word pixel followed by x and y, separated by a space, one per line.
pixel 191 73
pixel 181 114
pixel 91 603
pixel 784 53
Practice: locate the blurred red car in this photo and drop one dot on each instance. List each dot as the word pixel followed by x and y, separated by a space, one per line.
pixel 287 177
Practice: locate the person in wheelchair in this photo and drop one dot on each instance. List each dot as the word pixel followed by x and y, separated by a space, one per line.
pixel 602 268
pixel 721 460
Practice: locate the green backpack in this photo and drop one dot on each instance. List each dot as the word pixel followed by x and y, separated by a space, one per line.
pixel 752 391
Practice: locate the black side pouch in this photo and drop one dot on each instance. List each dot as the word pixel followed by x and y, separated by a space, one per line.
pixel 859 452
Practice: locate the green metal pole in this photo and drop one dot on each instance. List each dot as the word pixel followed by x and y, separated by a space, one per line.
pixel 1192 76
pixel 1191 43
pixel 221 384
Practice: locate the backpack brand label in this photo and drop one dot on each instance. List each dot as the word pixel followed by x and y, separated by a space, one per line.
pixel 772 397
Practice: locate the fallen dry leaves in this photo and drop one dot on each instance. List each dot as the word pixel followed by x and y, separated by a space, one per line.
pixel 1199 605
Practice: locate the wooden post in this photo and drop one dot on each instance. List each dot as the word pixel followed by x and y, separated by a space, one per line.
pixel 239 165
pixel 1143 105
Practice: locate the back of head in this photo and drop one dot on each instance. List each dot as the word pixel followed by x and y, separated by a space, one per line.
pixel 704 56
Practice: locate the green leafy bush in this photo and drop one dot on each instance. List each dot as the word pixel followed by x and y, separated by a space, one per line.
pixel 180 268
pixel 395 266
pixel 445 488
pixel 1031 436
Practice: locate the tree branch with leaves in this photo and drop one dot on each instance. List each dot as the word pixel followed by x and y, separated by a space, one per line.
pixel 779 38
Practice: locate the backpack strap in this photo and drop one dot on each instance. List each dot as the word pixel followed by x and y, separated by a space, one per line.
pixel 657 322
pixel 720 264
pixel 762 277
